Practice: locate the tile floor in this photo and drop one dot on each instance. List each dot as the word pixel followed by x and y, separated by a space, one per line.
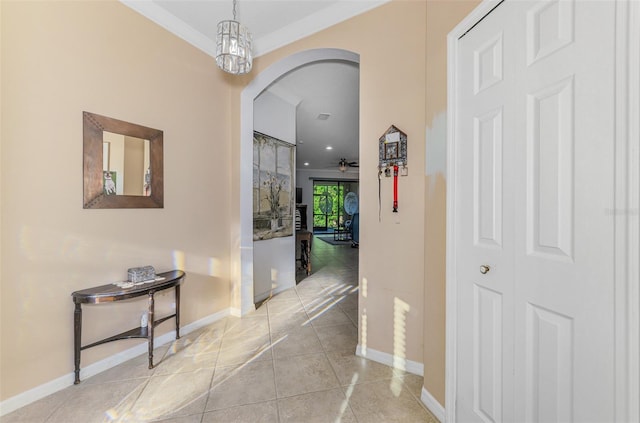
pixel 292 360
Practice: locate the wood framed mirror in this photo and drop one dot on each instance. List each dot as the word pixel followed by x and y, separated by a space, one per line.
pixel 123 165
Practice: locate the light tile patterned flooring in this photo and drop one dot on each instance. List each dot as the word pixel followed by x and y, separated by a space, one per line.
pixel 292 360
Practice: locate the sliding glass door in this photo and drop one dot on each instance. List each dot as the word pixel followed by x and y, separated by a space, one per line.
pixel 328 204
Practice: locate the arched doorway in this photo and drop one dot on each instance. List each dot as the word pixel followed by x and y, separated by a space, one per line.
pixel 242 277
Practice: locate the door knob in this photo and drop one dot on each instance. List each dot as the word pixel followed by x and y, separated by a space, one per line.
pixel 484 269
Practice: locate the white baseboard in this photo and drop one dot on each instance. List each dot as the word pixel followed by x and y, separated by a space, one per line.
pixel 390 360
pixel 236 312
pixel 433 405
pixel 48 388
pixel 409 366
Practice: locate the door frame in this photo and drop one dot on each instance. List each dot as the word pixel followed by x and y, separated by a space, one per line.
pixel 626 219
pixel 242 236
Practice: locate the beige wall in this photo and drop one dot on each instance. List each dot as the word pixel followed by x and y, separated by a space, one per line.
pixel 442 17
pixel 391 43
pixel 403 270
pixel 58 59
pixel 51 246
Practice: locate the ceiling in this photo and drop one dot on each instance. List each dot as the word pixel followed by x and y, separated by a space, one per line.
pixel 327 114
pixel 322 88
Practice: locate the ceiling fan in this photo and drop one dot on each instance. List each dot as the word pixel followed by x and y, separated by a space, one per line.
pixel 343 164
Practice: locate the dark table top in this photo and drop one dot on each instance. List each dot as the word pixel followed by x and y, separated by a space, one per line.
pixel 112 292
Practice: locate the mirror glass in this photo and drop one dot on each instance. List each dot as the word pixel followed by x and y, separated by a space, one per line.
pixel 123 165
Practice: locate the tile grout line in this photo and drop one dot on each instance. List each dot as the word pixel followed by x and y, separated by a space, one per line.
pixel 312 353
pixel 215 368
pixel 340 387
pixel 50 415
pixel 273 363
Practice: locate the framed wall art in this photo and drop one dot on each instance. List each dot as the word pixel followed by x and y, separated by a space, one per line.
pixel 273 202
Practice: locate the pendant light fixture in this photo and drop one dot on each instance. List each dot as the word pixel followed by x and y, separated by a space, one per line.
pixel 233 46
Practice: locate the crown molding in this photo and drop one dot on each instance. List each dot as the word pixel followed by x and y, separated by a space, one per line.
pixel 168 21
pixel 329 16
pixel 316 22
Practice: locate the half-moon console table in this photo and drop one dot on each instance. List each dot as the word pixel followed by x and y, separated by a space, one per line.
pixel 112 292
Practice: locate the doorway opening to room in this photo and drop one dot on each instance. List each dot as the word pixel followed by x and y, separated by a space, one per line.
pixel 322 121
pixel 325 148
pixel 334 207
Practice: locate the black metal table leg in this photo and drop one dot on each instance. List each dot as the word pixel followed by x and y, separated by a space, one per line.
pixel 150 324
pixel 77 334
pixel 177 311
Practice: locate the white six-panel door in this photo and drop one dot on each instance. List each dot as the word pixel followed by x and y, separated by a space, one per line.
pixel 485 220
pixel 534 228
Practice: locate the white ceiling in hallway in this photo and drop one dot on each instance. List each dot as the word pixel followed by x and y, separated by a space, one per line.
pixel 273 23
pixel 325 88
pixel 330 88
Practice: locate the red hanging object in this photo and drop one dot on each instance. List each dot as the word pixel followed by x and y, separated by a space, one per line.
pixel 395 189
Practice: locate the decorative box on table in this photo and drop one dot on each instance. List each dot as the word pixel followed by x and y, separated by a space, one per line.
pixel 140 274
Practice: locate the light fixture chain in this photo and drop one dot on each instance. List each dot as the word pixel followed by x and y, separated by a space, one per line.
pixel 234 10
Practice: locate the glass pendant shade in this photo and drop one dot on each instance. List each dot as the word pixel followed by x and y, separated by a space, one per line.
pixel 233 48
